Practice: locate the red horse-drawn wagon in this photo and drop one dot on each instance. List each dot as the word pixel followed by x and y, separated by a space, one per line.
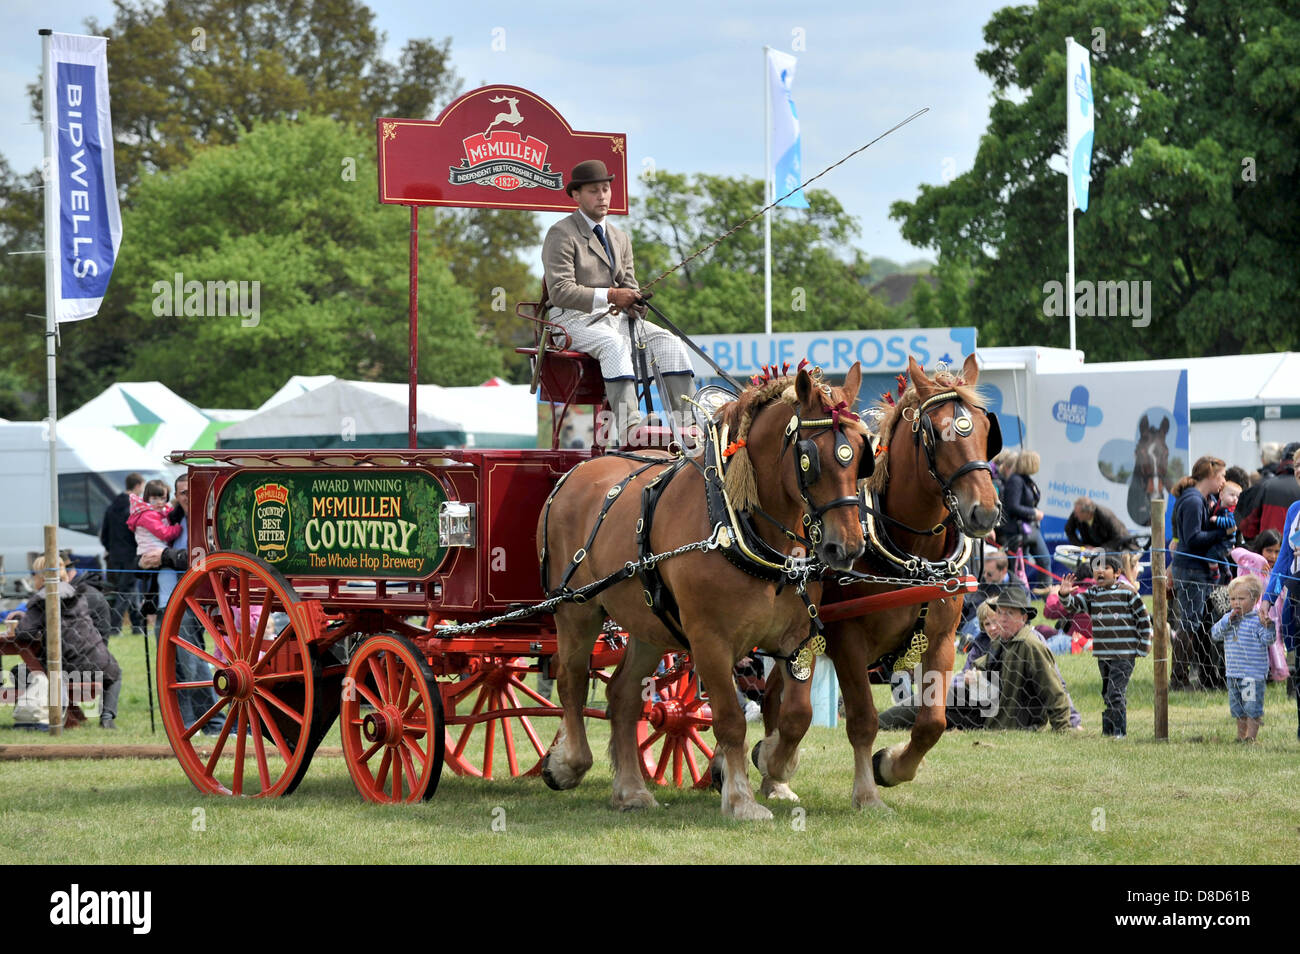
pixel 397 591
pixel 319 576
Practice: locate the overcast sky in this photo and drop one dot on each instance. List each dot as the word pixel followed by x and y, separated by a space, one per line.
pixel 685 82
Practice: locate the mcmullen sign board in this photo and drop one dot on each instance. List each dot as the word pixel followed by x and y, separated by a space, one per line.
pixel 499 147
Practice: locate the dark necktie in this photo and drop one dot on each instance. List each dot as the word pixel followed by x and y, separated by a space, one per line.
pixel 600 234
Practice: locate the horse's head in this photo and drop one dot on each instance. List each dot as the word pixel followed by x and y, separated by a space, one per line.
pixel 940 436
pixel 1151 457
pixel 804 452
pixel 831 453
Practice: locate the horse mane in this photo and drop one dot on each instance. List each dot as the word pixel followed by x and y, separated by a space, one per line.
pixel 892 412
pixel 739 482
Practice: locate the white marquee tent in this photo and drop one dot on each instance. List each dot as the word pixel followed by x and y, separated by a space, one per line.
pixel 361 414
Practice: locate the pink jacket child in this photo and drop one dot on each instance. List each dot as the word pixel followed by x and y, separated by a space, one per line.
pixel 148 520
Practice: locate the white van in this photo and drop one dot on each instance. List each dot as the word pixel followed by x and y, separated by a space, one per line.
pixel 93 464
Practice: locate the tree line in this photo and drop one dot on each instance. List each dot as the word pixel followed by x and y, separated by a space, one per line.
pixel 245 152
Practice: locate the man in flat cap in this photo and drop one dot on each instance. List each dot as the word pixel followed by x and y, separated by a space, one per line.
pixel 589 267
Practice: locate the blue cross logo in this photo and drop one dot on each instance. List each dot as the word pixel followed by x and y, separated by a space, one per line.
pixel 1083 89
pixel 1076 414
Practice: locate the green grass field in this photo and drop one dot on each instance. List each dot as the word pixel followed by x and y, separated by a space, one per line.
pixel 981 797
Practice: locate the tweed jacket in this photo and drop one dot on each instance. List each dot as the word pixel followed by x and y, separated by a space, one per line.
pixel 576 264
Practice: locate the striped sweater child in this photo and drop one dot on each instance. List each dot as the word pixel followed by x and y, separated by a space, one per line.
pixel 1121 625
pixel 1245 645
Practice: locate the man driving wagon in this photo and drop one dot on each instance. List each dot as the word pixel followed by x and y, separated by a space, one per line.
pixel 589 267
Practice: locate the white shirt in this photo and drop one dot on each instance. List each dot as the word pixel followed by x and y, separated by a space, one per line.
pixel 600 300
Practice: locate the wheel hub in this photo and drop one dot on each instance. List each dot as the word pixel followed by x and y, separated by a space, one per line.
pixel 669 715
pixel 383 726
pixel 235 681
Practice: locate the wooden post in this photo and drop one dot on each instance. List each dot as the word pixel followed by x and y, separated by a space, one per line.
pixel 1159 619
pixel 53 629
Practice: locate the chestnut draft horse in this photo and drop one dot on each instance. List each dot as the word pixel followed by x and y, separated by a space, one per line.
pixel 793 450
pixel 932 472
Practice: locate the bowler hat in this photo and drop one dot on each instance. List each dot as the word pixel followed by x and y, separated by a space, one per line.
pixel 590 170
pixel 1013 597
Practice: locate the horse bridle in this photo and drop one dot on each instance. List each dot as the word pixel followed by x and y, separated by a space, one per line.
pixel 808 466
pixel 963 424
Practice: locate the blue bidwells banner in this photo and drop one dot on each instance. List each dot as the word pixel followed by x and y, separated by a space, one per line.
pixel 1078 122
pixel 80 180
pixel 787 171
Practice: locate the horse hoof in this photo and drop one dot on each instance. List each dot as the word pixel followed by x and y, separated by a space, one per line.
pixel 753 754
pixel 875 769
pixel 716 779
pixel 548 776
pixel 778 791
pixel 873 805
pixel 638 802
pixel 750 811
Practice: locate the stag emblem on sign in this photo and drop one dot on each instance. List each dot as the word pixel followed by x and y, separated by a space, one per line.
pixel 507 161
pixel 512 117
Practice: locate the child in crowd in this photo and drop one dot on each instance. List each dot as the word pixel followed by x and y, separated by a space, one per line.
pixel 1121 632
pixel 1256 558
pixel 1223 511
pixel 1245 639
pixel 148 520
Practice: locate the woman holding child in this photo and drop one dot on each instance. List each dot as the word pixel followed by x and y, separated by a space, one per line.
pixel 1193 573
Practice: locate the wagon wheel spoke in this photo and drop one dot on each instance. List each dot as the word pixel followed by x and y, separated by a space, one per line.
pixel 271 698
pixel 242 729
pixel 527 725
pixel 210 625
pixel 381 777
pixel 464 736
pixel 412 775
pixel 274 648
pixel 259 748
pixel 366 755
pixel 276 736
pixel 227 619
pixel 508 737
pixel 696 776
pixel 365 693
pixel 221 742
pixel 397 778
pixel 403 690
pixel 380 680
pixel 489 738
pixel 245 623
pixel 390 667
pixel 262 620
pixel 205 718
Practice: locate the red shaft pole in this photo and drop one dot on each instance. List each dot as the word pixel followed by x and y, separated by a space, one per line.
pixel 908 595
pixel 414 323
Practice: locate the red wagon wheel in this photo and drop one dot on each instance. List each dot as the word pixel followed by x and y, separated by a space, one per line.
pixel 394 750
pixel 670 737
pixel 260 681
pixel 490 716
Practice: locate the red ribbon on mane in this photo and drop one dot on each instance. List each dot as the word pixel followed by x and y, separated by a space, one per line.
pixel 840 410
